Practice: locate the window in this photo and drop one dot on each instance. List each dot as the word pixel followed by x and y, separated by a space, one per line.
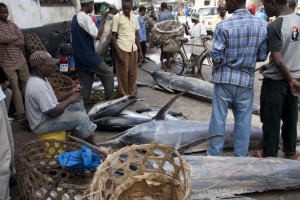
pixel 55 2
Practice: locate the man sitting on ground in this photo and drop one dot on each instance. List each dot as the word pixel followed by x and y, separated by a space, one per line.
pixel 47 113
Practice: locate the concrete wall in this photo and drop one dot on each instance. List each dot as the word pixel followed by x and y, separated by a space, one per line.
pixel 29 13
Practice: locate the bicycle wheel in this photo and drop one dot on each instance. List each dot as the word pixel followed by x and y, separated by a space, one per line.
pixel 176 64
pixel 206 68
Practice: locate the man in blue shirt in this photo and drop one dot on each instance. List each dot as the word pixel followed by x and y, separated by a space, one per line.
pixel 165 13
pixel 142 31
pixel 238 42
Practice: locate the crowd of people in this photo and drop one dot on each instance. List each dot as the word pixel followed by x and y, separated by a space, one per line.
pixel 239 41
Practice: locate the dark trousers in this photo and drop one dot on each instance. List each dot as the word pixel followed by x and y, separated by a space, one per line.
pixel 86 79
pixel 144 48
pixel 277 103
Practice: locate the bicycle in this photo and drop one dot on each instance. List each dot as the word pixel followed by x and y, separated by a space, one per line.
pixel 179 61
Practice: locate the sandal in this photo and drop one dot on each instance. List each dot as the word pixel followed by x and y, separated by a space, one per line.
pixel 258 154
pixel 293 157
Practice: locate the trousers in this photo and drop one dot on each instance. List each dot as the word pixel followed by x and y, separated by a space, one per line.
pixel 241 101
pixel 277 104
pixel 19 76
pixel 127 73
pixel 86 79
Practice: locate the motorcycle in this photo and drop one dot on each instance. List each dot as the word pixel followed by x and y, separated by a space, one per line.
pixel 64 53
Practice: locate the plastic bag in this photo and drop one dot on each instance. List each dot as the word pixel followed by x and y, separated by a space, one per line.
pixel 79 160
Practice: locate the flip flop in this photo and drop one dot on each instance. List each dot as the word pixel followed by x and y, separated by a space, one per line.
pixel 293 157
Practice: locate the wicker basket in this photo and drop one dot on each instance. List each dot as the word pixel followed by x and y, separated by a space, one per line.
pixel 61 83
pixel 150 171
pixel 164 30
pixel 40 175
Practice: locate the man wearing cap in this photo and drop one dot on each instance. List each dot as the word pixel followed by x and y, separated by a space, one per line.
pixel 195 32
pixel 88 63
pixel 47 112
pixel 238 43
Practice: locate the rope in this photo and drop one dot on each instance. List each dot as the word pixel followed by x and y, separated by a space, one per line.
pixel 231 174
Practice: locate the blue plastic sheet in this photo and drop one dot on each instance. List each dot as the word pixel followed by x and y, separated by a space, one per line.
pixel 80 159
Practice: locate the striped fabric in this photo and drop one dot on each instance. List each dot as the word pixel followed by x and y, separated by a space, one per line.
pixel 11 38
pixel 238 43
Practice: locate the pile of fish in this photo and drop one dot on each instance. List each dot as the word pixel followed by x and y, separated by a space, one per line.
pixel 112 115
pixel 194 87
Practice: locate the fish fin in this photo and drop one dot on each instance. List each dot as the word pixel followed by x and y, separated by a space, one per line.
pixel 115 142
pixel 159 87
pixel 161 113
pixel 186 147
pixel 118 135
pixel 149 72
pixel 178 143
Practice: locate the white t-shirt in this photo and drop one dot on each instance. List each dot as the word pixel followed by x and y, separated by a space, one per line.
pixel 39 100
pixel 86 22
pixel 2 95
pixel 195 33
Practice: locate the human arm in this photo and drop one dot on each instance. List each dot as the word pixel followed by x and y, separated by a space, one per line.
pixel 8 39
pixel 63 95
pixel 101 27
pixel 60 108
pixel 20 40
pixel 117 50
pixel 219 44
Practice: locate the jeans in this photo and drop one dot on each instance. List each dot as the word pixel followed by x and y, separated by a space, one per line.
pixel 278 103
pixel 74 117
pixel 86 79
pixel 241 101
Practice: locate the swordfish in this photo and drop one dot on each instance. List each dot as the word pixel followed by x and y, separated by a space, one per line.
pixel 194 87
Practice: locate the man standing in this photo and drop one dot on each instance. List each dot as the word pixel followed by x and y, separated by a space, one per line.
pixel 125 38
pixel 280 86
pixel 221 16
pixel 165 13
pixel 196 32
pixel 12 60
pixel 142 31
pixel 47 113
pixel 7 169
pixel 88 63
pixel 238 43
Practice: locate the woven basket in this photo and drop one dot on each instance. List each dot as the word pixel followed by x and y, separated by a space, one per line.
pixel 150 171
pixel 39 172
pixel 61 83
pixel 164 30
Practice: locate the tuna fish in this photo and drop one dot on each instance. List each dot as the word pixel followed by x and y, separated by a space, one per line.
pixel 221 177
pixel 194 87
pixel 169 132
pixel 102 106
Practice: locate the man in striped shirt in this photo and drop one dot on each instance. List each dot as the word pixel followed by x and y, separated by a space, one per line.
pixel 239 42
pixel 12 60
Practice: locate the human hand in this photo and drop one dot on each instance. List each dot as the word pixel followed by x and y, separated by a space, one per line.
pixel 76 90
pixel 262 69
pixel 295 87
pixel 75 98
pixel 141 57
pixel 121 59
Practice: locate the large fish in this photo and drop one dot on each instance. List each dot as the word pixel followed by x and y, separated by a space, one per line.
pixel 127 119
pixel 99 107
pixel 194 87
pixel 214 177
pixel 169 132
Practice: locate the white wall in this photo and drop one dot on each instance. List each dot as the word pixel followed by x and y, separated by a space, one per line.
pixel 29 14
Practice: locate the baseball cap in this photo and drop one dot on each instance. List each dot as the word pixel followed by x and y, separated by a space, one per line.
pixel 41 58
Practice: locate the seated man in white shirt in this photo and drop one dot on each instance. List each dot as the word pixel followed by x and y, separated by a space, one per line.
pixel 47 113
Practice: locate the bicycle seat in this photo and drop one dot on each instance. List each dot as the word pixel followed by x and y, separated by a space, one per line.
pixel 182 39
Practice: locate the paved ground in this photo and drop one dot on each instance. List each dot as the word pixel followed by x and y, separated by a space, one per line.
pixel 191 108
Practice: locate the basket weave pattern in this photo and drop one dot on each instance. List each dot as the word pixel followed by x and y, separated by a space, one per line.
pixel 150 171
pixel 165 30
pixel 61 83
pixel 40 175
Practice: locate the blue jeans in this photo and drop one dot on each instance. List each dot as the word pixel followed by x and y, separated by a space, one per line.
pixel 74 117
pixel 241 101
